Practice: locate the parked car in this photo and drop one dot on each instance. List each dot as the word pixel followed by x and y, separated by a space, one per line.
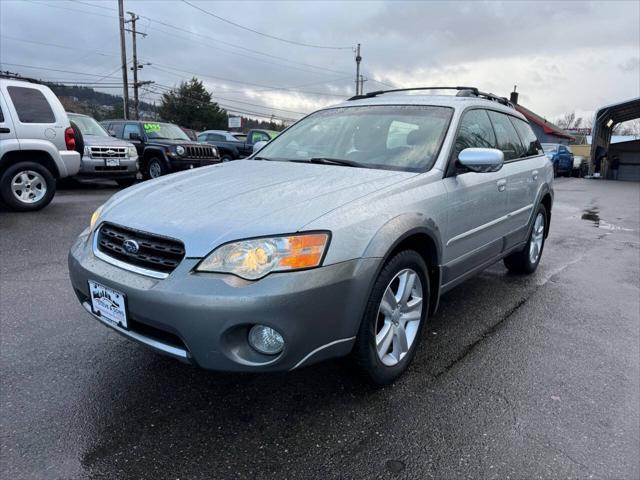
pixel 102 155
pixel 337 238
pixel 235 145
pixel 37 145
pixel 561 157
pixel 162 147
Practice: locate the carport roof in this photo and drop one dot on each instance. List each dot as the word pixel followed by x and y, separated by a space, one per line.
pixel 620 112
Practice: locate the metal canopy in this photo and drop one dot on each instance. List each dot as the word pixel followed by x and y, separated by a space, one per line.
pixel 607 118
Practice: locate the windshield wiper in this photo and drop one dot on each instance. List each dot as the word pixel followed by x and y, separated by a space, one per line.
pixel 336 161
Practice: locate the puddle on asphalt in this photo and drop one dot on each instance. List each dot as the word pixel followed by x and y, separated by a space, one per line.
pixel 592 215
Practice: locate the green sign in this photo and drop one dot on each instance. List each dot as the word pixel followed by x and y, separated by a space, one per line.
pixel 151 127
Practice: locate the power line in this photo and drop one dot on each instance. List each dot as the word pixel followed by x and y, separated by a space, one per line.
pixel 59 46
pixel 189 32
pixel 292 42
pixel 267 87
pixel 33 67
pixel 215 97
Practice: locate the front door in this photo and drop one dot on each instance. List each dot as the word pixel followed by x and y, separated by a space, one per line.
pixel 477 203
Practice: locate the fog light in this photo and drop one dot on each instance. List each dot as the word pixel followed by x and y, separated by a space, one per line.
pixel 265 340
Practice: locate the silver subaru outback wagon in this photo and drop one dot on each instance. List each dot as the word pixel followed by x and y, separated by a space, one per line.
pixel 336 238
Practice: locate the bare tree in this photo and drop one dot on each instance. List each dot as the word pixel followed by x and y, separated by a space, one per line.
pixel 569 120
pixel 632 127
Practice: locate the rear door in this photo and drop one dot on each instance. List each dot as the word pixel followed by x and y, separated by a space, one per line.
pixel 8 140
pixel 519 174
pixel 477 202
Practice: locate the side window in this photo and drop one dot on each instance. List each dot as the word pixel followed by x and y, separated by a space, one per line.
pixel 531 144
pixel 259 137
pixel 31 105
pixel 1 116
pixel 202 137
pixel 475 132
pixel 116 129
pixel 214 137
pixel 506 136
pixel 130 128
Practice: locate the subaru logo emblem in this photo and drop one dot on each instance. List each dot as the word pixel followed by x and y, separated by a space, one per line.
pixel 130 246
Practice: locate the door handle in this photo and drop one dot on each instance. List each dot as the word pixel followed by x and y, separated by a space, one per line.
pixel 4 130
pixel 502 184
pixel 534 174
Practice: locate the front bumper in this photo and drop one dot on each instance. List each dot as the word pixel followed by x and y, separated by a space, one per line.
pixel 183 163
pixel 204 318
pixel 96 168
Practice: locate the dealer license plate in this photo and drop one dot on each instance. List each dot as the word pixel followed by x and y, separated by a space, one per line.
pixel 113 162
pixel 108 304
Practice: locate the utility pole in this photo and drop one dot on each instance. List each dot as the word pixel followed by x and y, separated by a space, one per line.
pixel 362 80
pixel 358 59
pixel 123 56
pixel 136 66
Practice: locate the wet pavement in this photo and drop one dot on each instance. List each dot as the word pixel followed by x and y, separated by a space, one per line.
pixel 516 377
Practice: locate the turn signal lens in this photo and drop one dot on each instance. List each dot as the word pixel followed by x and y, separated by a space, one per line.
pixel 254 258
pixel 94 217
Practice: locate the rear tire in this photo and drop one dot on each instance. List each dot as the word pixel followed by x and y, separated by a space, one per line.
pixel 393 320
pixel 27 186
pixel 526 261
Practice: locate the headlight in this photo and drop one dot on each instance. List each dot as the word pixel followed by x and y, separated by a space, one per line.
pixel 254 258
pixel 180 150
pixel 215 152
pixel 94 217
pixel 132 152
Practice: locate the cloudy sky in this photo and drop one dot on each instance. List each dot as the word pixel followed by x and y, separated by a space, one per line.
pixel 564 56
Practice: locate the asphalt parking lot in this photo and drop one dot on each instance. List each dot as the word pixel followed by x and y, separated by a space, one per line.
pixel 517 377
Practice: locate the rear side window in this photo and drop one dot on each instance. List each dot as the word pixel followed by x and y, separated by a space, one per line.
pixel 116 129
pixel 531 144
pixel 1 116
pixel 214 137
pixel 31 105
pixel 506 136
pixel 475 132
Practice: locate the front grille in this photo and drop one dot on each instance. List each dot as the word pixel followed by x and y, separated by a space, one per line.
pixel 156 253
pixel 108 152
pixel 200 151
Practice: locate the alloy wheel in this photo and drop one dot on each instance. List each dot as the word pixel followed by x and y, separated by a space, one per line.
pixel 28 186
pixel 399 317
pixel 155 170
pixel 537 237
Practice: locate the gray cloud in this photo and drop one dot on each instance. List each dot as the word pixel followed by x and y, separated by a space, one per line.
pixel 562 55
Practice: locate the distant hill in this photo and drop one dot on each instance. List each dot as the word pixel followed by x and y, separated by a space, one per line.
pixel 97 104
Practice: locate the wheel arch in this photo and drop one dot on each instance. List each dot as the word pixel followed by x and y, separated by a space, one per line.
pixel 37 156
pixel 418 234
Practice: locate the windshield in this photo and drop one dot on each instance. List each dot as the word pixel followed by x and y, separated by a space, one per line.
pixel 549 147
pixel 164 130
pixel 88 126
pixel 393 137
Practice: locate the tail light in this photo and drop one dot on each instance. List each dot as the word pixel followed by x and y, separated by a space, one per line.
pixel 70 138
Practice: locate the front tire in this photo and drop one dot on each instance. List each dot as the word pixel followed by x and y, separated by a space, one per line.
pixel 27 186
pixel 156 168
pixel 393 320
pixel 526 261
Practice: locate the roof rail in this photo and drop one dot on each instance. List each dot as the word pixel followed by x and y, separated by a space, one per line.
pixel 467 90
pixel 16 76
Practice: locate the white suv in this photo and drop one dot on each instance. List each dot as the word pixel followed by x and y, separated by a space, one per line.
pixel 37 144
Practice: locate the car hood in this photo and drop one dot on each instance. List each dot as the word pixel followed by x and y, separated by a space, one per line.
pixel 97 140
pixel 208 206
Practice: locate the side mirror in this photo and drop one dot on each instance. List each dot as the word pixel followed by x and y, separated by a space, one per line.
pixel 135 136
pixel 481 160
pixel 258 145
